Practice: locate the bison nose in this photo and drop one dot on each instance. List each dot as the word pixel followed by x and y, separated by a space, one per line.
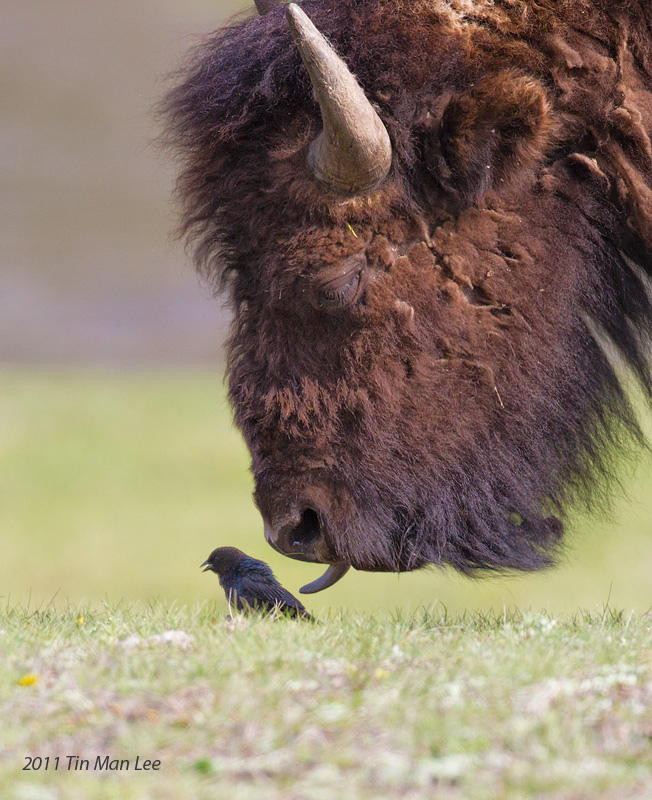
pixel 299 535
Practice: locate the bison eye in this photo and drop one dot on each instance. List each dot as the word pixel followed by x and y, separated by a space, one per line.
pixel 338 289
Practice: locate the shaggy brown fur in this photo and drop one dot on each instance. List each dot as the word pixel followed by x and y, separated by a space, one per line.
pixel 418 364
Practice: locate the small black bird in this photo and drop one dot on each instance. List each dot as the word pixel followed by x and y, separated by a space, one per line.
pixel 250 584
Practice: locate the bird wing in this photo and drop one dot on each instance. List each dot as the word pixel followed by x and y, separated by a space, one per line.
pixel 265 591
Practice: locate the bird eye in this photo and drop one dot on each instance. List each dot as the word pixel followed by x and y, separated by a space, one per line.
pixel 338 289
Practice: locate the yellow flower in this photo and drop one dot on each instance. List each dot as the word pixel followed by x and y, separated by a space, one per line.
pixel 80 620
pixel 28 680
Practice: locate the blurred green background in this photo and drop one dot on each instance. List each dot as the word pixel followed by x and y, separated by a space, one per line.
pixel 118 485
pixel 119 466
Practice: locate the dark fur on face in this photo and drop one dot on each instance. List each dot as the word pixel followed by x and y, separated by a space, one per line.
pixel 419 363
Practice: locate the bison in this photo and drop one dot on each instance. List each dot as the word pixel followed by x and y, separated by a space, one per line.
pixel 433 221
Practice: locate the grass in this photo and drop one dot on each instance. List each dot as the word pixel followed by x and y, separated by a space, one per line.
pixel 113 488
pixel 357 706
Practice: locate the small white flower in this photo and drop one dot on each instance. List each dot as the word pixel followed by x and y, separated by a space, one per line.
pixel 176 638
pixel 332 712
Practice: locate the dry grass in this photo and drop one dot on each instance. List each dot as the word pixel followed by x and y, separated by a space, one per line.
pixel 482 707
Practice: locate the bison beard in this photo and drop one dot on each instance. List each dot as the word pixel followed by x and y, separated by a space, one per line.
pixel 414 362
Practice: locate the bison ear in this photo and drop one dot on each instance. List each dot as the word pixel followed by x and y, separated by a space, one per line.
pixel 487 134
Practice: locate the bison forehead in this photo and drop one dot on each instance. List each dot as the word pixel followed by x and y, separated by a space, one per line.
pixel 458 316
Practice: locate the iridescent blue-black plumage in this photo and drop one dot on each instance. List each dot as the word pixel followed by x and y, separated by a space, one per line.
pixel 250 584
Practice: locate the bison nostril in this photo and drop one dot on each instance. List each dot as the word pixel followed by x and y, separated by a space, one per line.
pixel 306 533
pixel 301 537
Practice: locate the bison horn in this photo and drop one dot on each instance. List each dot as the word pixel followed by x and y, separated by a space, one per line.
pixel 333 574
pixel 265 6
pixel 353 153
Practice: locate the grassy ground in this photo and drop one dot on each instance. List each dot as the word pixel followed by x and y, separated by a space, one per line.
pixel 358 706
pixel 114 488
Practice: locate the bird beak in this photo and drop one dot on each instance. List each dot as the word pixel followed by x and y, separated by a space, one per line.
pixel 206 565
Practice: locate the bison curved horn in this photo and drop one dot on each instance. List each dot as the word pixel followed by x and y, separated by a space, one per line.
pixel 333 574
pixel 265 6
pixel 353 153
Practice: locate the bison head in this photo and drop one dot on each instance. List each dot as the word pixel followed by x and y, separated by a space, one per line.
pixel 422 215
